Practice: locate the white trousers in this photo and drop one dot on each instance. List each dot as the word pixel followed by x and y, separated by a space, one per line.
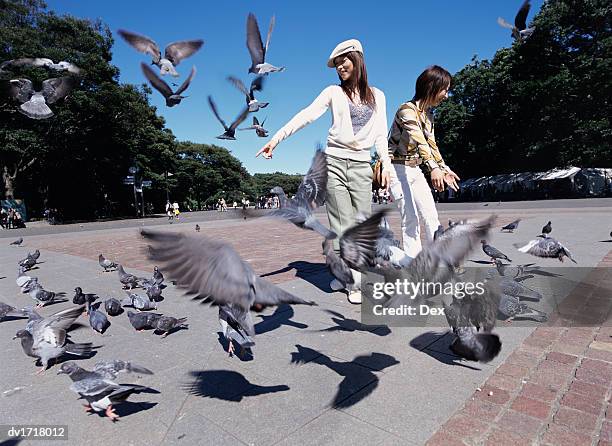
pixel 416 204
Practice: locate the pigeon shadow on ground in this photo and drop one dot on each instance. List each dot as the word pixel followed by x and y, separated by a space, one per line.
pixel 245 356
pixel 481 262
pixel 601 241
pixel 227 385
pixel 359 380
pixel 11 442
pixel 345 324
pixel 174 330
pixel 316 274
pixel 130 407
pixel 12 318
pixel 281 316
pixel 424 340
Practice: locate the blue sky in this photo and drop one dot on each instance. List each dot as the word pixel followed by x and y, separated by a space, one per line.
pixel 400 39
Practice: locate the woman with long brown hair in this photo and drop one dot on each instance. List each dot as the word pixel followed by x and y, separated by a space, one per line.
pixel 412 144
pixel 359 122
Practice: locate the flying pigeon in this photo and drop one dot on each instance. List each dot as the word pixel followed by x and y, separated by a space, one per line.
pixel 41 62
pixel 357 248
pixel 546 247
pixel 547 228
pixel 143 320
pixel 113 307
pixel 47 337
pixel 128 280
pixel 211 269
pixel 106 264
pixel 111 369
pixel 259 129
pixel 231 130
pixel 166 324
pixel 17 242
pixel 172 97
pixel 173 54
pixel 493 252
pixel 519 30
pixel 100 392
pixel 510 227
pixel 472 318
pixel 233 319
pixel 34 103
pixel 256 49
pixel 256 85
pixel 311 193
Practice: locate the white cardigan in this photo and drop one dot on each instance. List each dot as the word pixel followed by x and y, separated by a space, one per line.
pixel 341 142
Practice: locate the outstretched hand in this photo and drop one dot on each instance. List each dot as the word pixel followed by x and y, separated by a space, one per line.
pixel 267 150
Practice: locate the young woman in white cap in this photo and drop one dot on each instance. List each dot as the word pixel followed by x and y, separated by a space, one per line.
pixel 412 143
pixel 359 122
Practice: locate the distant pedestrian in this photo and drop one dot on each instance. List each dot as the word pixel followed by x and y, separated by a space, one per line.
pixel 175 208
pixel 169 211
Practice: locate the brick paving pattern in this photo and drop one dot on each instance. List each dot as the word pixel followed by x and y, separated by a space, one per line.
pixel 552 390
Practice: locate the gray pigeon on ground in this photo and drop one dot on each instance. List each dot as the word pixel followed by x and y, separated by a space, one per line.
pixel 8 311
pixel 510 227
pixel 493 252
pixel 515 271
pixel 38 293
pixel 256 48
pixel 27 263
pixel 143 320
pixel 100 392
pixel 48 339
pixel 139 302
pixel 211 269
pixel 35 255
pixel 17 242
pixel 520 31
pixel 513 288
pixel 158 277
pixel 154 291
pixel 97 319
pixel 230 131
pixel 128 280
pixel 546 247
pixel 511 307
pixel 256 85
pixel 547 229
pixel 34 103
pixel 166 324
pixel 81 298
pixel 233 319
pixel 106 264
pixel 113 307
pixel 172 97
pixel 174 53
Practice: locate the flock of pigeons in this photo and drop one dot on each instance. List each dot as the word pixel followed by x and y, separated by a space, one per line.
pixel 212 271
pixel 35 103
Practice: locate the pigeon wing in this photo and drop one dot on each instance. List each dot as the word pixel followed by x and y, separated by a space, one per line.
pixel 313 187
pixel 501 22
pixel 20 89
pixel 177 51
pixel 238 84
pixel 241 117
pixel 57 88
pixel 202 266
pixel 185 84
pixel 157 83
pixel 268 294
pixel 254 44
pixel 358 243
pixel 142 43
pixel 520 21
pixel 213 107
pixel 270 29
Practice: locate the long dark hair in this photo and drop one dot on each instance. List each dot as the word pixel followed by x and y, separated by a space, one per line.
pixel 358 82
pixel 431 82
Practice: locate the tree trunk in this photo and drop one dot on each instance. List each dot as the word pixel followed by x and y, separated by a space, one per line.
pixel 8 179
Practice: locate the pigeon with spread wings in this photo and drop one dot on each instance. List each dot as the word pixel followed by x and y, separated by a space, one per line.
pixel 256 85
pixel 174 53
pixel 230 131
pixel 172 97
pixel 256 48
pixel 519 29
pixel 33 102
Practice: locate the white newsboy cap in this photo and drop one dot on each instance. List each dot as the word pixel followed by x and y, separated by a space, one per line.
pixel 342 48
